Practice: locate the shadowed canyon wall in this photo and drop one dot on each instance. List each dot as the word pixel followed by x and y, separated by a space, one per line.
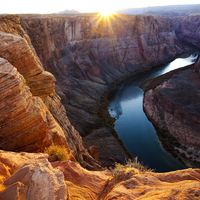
pixel 87 53
pixel 173 106
pixel 32 116
pixel 188 29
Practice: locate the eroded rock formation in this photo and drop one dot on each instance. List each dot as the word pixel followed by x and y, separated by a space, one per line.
pixel 87 53
pixel 16 47
pixel 31 176
pixel 26 124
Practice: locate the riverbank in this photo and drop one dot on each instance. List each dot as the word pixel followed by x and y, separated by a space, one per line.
pixel 170 104
pixel 107 120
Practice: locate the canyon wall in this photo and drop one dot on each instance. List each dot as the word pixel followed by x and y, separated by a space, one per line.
pixel 173 106
pixel 188 29
pixel 29 100
pixel 87 53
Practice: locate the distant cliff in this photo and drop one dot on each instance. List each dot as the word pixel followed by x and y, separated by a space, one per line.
pixel 188 29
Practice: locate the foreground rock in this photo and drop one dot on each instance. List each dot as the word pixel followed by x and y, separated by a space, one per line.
pixel 173 107
pixel 32 177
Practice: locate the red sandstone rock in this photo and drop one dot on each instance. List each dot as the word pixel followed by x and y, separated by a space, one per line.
pixel 17 51
pixel 86 55
pixel 26 123
pixel 37 180
pixel 41 84
pixel 188 29
pixel 33 178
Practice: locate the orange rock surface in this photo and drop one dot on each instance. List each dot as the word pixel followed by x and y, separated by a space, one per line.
pixel 18 53
pixel 25 122
pixel 16 47
pixel 30 176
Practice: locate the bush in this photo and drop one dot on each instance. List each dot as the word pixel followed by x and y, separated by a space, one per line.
pixel 61 152
pixel 125 172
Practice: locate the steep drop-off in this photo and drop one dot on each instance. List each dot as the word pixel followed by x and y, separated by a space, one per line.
pixel 87 53
pixel 26 124
pixel 18 130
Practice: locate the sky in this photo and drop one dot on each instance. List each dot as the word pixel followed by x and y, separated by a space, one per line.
pixel 49 6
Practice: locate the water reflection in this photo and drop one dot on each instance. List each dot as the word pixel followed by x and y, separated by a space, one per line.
pixel 132 125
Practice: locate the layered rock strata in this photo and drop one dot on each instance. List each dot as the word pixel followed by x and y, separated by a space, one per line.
pixel 26 123
pixel 16 47
pixel 31 176
pixel 87 53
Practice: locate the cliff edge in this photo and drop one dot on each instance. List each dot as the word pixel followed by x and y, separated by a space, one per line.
pixel 31 176
pixel 29 102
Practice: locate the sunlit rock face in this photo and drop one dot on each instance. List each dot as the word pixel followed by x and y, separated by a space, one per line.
pixel 43 129
pixel 188 29
pixel 26 124
pixel 87 53
pixel 32 177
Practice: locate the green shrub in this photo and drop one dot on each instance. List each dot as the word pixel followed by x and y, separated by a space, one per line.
pixel 61 152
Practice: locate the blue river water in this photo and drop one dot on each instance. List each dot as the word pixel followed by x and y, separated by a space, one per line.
pixel 132 125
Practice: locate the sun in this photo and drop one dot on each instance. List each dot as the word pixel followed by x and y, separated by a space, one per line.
pixel 106 13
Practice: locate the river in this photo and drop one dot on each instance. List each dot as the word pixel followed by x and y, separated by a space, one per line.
pixel 132 125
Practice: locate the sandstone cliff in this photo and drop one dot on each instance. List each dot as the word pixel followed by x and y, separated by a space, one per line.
pixel 87 53
pixel 26 124
pixel 32 177
pixel 19 131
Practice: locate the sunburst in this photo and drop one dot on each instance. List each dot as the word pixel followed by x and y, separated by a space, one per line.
pixel 106 13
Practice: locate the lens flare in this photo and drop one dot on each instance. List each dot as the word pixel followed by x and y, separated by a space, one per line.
pixel 106 13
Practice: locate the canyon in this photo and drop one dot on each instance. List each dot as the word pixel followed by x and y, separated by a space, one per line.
pixel 54 70
pixel 173 106
pixel 88 54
